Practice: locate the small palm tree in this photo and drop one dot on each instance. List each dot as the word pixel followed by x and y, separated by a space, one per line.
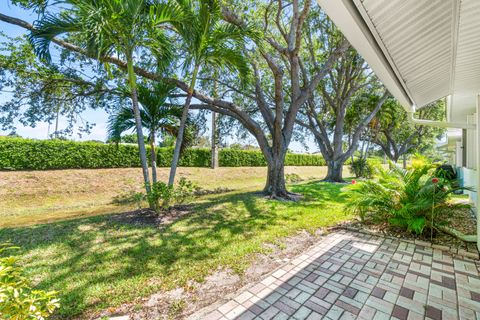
pixel 104 28
pixel 208 41
pixel 160 116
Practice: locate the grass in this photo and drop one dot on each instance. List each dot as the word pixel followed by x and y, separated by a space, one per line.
pixel 31 197
pixel 98 262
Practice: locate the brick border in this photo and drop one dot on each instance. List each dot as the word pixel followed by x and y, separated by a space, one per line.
pixel 450 249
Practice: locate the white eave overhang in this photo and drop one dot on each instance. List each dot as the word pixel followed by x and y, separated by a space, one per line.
pixel 422 50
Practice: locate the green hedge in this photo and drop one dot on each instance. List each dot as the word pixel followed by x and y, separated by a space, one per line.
pixel 27 154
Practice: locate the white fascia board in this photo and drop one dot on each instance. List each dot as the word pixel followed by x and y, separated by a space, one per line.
pixel 346 17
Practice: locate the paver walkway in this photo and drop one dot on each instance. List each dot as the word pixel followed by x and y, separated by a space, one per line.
pixel 356 276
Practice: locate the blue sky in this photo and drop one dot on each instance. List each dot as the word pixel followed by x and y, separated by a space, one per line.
pixel 41 130
pixel 99 117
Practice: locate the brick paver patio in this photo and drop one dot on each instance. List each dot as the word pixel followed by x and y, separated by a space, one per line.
pixel 356 276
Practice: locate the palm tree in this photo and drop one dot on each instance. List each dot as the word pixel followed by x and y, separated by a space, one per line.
pixel 208 41
pixel 104 28
pixel 159 116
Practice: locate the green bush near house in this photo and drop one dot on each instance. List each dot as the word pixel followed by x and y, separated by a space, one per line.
pixel 364 168
pixel 28 154
pixel 413 199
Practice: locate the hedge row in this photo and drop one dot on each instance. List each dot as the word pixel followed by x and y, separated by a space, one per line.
pixel 26 154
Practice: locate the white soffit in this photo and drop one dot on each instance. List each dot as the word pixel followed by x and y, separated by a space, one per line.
pixel 346 17
pixel 422 50
pixel 467 65
pixel 418 37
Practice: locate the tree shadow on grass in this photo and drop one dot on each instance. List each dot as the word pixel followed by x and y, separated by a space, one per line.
pixel 90 261
pixel 99 262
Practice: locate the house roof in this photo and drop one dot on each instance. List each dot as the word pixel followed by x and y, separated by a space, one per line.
pixel 422 50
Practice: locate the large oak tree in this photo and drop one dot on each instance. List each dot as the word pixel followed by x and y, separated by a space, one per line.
pixel 325 112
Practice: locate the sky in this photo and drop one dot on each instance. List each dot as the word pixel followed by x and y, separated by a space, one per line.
pixel 99 117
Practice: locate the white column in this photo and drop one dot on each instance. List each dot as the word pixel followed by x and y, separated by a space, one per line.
pixel 471 143
pixel 477 151
pixel 458 154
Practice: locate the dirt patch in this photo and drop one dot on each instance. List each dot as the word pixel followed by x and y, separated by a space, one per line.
pixel 219 190
pixel 147 217
pixel 181 302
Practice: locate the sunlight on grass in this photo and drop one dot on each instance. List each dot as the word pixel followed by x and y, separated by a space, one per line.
pixel 97 262
pixel 32 197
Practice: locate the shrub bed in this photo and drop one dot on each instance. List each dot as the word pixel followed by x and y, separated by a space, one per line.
pixel 29 154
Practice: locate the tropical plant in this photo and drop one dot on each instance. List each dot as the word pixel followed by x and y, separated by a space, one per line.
pixel 104 28
pixel 412 199
pixel 159 116
pixel 185 190
pixel 163 195
pixel 18 300
pixel 209 41
pixel 363 168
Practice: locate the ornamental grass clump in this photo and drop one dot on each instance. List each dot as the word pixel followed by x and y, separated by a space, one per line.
pixel 413 199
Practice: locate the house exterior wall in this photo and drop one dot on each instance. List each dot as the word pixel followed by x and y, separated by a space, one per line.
pixel 471 144
pixel 468 178
pixel 477 151
pixel 459 154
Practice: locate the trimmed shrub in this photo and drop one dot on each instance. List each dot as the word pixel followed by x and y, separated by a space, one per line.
pixel 26 154
pixel 295 159
pixel 189 158
pixel 241 158
pixel 29 154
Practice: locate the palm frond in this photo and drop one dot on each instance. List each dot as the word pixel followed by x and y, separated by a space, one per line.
pixel 49 27
pixel 404 198
pixel 120 122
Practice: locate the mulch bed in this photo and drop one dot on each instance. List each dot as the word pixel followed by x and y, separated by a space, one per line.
pixel 147 217
pixel 462 220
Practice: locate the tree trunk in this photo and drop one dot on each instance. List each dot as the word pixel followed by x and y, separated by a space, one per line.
pixel 335 171
pixel 178 142
pixel 138 124
pixel 404 161
pixel 153 155
pixel 275 186
pixel 214 162
pixel 181 130
pixel 56 122
pixel 214 151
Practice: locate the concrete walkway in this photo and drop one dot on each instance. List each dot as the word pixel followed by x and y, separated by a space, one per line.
pixel 356 276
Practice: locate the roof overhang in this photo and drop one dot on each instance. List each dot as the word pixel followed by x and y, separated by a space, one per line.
pixel 421 50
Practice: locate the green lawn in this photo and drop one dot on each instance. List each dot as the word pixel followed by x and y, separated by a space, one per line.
pixel 97 263
pixel 33 197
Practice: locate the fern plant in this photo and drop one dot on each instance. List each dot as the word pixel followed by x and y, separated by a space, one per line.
pixel 405 198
